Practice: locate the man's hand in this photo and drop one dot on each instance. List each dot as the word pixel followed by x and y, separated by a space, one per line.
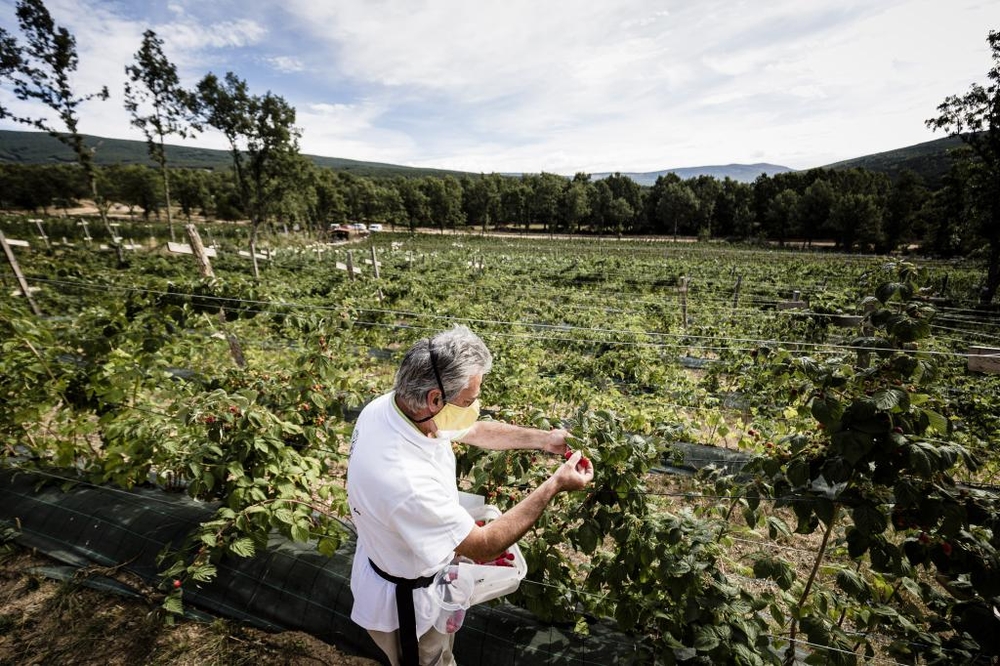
pixel 554 441
pixel 495 537
pixel 574 474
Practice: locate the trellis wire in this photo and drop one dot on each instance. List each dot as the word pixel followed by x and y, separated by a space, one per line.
pixel 500 323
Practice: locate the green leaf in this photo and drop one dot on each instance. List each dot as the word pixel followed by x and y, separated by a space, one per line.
pixel 243 547
pixel 922 460
pixel 203 573
pixel 853 446
pixel 776 526
pixel 284 516
pixel 893 290
pixel 798 472
pixel 888 400
pixel 300 533
pixel 779 571
pixel 851 583
pixel 705 639
pixel 857 542
pixel 824 509
pixel 173 604
pixel 327 546
pixel 911 586
pixel 808 522
pixel 869 518
pixel 587 538
pixel 827 410
pixel 936 421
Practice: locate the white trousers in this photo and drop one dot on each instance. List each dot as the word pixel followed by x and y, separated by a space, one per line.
pixel 433 647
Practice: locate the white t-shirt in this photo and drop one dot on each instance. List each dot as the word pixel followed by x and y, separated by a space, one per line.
pixel 403 494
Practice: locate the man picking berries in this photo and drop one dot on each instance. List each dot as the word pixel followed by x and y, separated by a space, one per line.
pixel 403 492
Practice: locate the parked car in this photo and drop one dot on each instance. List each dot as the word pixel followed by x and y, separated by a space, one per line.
pixel 375 227
pixel 359 226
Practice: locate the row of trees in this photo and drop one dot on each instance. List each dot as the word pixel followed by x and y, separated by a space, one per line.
pixel 857 209
pixel 271 181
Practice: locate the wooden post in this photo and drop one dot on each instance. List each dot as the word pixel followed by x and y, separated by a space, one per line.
pixel 984 359
pixel 350 265
pixel 235 350
pixel 86 230
pixel 253 259
pixel 204 264
pixel 795 304
pixel 375 263
pixel 41 232
pixel 21 282
pixel 867 330
pixel 683 290
pixel 205 268
pixel 736 291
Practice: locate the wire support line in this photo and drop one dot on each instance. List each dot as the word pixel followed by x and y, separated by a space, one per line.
pixel 819 346
pixel 828 648
pixel 769 544
pixel 747 312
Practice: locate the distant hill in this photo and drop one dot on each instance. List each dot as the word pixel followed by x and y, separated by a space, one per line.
pixel 40 148
pixel 744 173
pixel 929 160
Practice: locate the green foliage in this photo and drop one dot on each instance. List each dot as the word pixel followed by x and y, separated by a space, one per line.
pixel 881 453
pixel 655 573
pixel 132 383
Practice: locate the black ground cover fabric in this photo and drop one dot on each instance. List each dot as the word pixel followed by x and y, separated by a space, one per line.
pixel 290 586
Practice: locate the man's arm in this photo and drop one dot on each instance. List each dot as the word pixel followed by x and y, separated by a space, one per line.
pixel 491 540
pixel 498 436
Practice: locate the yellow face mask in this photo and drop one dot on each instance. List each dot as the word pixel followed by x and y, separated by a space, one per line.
pixel 454 422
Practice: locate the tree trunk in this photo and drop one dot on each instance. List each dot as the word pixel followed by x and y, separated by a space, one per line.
pixel 993 269
pixel 992 273
pixel 166 196
pixel 102 207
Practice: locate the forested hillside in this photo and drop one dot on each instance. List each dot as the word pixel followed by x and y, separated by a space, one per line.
pixel 39 148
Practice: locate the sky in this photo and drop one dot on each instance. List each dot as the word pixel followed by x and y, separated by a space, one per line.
pixel 562 86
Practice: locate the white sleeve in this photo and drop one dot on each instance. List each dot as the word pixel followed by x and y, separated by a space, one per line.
pixel 432 526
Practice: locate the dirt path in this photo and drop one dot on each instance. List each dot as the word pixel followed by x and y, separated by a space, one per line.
pixel 43 621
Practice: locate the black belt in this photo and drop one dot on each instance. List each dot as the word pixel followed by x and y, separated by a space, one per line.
pixel 404 609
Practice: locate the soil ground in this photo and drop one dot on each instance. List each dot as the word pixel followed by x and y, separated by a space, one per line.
pixel 44 621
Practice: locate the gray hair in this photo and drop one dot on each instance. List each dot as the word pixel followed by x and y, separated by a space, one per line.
pixel 459 354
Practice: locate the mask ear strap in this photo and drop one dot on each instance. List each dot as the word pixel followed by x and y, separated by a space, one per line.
pixel 437 376
pixel 434 367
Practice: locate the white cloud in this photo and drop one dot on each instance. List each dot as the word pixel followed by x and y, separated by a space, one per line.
pixel 227 34
pixel 286 64
pixel 563 85
pixel 352 131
